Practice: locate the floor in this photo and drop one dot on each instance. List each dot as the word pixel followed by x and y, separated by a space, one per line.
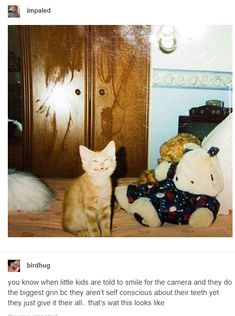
pixel 48 223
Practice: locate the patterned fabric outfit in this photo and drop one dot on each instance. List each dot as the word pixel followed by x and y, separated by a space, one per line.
pixel 172 205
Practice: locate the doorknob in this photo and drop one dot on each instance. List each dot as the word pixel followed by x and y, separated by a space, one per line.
pixel 101 92
pixel 78 91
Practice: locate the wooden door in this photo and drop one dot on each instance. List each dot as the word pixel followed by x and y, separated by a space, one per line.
pixel 120 81
pixel 59 99
pixel 89 84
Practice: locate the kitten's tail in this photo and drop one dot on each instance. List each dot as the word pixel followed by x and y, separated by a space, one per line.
pixel 26 192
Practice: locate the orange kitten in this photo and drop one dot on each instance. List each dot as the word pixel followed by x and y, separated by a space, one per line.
pixel 87 204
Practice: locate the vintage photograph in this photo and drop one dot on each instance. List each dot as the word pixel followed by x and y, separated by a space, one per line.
pixel 120 131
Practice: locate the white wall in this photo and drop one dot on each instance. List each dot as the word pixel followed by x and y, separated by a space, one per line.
pixel 198 48
pixel 205 53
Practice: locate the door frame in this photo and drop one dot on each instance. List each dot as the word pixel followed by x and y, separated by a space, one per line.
pixel 26 95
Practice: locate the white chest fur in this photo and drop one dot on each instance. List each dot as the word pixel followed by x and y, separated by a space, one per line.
pixel 103 185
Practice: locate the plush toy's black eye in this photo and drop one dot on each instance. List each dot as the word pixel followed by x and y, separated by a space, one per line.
pixel 176 178
pixel 212 178
pixel 192 181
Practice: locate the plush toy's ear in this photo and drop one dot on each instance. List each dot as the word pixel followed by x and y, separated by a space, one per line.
pixel 162 170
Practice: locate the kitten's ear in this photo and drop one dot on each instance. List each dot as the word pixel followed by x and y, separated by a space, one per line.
pixel 110 149
pixel 85 153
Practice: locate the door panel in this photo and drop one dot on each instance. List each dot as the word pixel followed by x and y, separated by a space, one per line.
pixel 59 99
pixel 120 93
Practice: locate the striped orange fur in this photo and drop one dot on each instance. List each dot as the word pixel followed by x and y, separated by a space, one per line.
pixel 87 204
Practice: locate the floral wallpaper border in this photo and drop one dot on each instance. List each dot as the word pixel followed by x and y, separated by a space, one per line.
pixel 192 79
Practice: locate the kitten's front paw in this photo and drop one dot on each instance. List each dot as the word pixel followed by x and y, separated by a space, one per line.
pixel 83 233
pixel 106 234
pixel 95 233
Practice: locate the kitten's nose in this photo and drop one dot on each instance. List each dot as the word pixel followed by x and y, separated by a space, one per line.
pixel 102 165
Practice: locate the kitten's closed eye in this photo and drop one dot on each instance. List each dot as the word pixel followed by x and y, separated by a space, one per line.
pixel 101 165
pixel 100 162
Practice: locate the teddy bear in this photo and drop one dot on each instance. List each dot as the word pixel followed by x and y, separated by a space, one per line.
pixel 185 192
pixel 171 150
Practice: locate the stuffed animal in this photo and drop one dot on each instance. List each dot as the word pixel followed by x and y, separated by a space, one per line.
pixel 173 149
pixel 185 194
pixel 147 176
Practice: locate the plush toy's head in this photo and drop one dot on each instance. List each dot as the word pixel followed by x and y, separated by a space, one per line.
pixel 198 172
